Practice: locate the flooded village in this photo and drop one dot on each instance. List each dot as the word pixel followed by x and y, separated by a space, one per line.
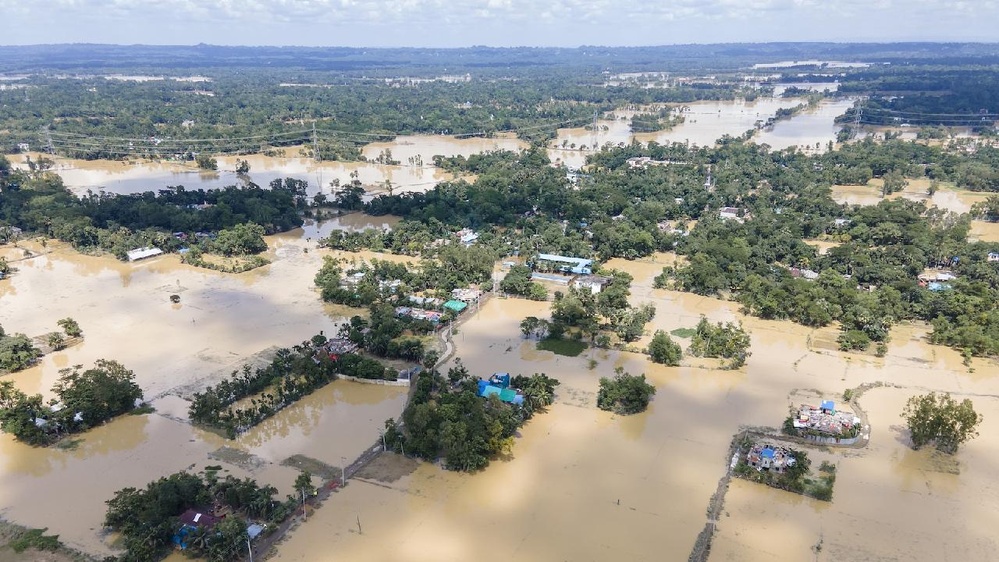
pixel 579 483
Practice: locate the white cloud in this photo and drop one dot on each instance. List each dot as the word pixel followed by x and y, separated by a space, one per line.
pixel 511 22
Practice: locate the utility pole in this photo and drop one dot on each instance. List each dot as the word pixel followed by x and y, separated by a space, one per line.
pixel 343 471
pixel 249 549
pixel 305 512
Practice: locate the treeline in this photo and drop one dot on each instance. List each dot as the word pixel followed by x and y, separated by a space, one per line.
pixel 445 418
pixel 953 96
pixel 148 519
pixel 265 391
pixel 39 203
pixel 259 109
pixel 82 400
pixel 452 267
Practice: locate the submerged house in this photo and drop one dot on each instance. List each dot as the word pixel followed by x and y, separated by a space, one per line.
pixel 142 253
pixel 592 283
pixel 504 393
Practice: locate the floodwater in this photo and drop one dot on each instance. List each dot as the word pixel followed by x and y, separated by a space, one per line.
pixel 174 349
pixel 418 174
pixel 946 197
pixel 705 123
pixel 582 484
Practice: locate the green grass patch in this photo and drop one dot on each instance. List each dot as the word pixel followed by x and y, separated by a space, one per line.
pixel 569 348
pixel 35 538
pixel 684 332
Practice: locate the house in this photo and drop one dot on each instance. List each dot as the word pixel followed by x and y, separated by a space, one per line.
pixel 770 457
pixel 467 237
pixel 508 395
pixel 566 264
pixel 732 213
pixel 23 147
pixel 425 302
pixel 803 273
pixel 455 306
pixel 593 283
pixel 826 420
pixel 190 520
pixel 338 347
pixel 993 256
pixel 840 223
pixel 466 295
pixel 142 253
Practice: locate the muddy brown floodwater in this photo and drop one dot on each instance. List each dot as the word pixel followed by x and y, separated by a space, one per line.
pixel 221 320
pixel 582 484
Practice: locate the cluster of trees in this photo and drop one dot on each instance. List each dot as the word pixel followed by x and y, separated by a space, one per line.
pixel 240 240
pixel 518 282
pixel 726 341
pixel 384 281
pixel 591 314
pixel 940 420
pixel 624 394
pixel 16 351
pixel 149 518
pixel 662 349
pixel 387 335
pixel 446 419
pixel 663 120
pixel 117 223
pixel 83 399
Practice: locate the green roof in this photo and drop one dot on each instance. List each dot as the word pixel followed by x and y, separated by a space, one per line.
pixel 456 306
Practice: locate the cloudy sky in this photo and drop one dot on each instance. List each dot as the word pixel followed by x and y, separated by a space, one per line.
pixel 455 23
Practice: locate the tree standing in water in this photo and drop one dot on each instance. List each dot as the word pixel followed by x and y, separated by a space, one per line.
pixel 939 419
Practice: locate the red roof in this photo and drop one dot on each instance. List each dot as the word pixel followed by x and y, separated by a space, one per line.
pixel 196 518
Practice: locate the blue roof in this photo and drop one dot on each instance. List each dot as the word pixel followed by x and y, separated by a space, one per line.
pixel 767 453
pixel 828 405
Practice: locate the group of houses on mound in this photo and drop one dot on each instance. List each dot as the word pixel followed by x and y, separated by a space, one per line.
pixel 825 424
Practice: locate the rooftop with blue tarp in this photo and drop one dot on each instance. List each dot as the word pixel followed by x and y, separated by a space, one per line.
pixel 828 405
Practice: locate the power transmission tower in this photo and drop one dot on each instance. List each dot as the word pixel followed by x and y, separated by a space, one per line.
pixel 49 148
pixel 594 138
pixel 315 143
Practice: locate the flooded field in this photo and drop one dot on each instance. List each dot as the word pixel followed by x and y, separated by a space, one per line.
pixel 585 484
pixel 174 349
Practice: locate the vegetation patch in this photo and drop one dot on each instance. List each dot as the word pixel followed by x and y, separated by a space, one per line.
pixel 940 420
pixel 782 467
pixel 568 348
pixel 312 466
pixel 684 332
pixel 448 419
pixel 624 394
pixel 150 519
pixel 83 400
pixel 725 341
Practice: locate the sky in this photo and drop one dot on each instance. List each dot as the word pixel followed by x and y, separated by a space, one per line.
pixel 501 23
